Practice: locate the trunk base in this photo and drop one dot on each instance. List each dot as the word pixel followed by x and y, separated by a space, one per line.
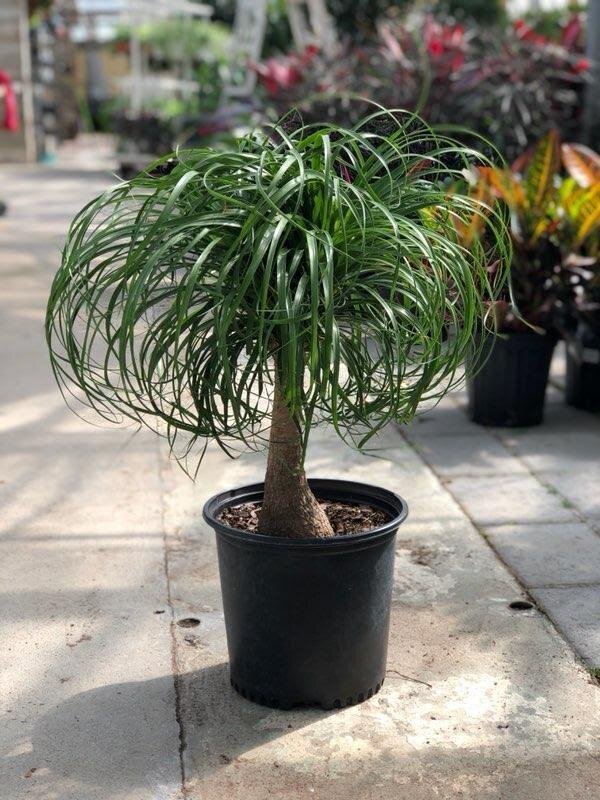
pixel 289 506
pixel 295 513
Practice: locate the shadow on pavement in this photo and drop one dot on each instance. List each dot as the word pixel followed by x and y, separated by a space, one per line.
pixel 87 739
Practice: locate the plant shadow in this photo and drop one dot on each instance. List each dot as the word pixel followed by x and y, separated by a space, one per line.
pixel 87 739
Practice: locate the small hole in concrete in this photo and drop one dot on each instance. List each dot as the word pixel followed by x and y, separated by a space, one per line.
pixel 188 622
pixel 159 611
pixel 520 605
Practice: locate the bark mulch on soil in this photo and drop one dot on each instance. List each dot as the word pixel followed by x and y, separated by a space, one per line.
pixel 344 517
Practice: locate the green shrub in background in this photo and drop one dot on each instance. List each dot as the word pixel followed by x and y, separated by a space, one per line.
pixel 182 39
pixel 485 12
pixel 278 36
pixel 549 22
pixel 197 50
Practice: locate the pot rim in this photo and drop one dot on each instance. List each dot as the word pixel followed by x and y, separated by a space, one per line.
pixel 330 488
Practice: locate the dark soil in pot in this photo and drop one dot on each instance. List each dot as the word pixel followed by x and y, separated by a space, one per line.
pixel 510 388
pixel 344 518
pixel 307 619
pixel 582 389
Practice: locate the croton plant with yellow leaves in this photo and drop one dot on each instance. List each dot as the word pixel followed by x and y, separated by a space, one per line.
pixel 552 192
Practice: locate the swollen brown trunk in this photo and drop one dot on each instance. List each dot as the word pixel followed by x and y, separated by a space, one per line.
pixel 289 506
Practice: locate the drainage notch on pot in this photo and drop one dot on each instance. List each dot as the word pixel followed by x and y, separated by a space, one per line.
pixel 521 605
pixel 188 622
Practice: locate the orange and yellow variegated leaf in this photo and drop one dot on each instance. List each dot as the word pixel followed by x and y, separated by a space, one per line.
pixel 588 215
pixel 582 163
pixel 503 185
pixel 570 196
pixel 568 191
pixel 542 226
pixel 472 226
pixel 521 162
pixel 544 164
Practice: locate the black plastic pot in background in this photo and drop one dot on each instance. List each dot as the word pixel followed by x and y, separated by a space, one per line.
pixel 307 619
pixel 582 389
pixel 510 389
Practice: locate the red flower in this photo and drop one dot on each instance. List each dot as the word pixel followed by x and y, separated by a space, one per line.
pixel 435 47
pixel 527 34
pixel 283 73
pixel 444 43
pixel 582 65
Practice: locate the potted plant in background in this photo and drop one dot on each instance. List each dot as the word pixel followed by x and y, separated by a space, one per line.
pixel 310 276
pixel 582 333
pixel 507 81
pixel 550 218
pixel 580 201
pixel 554 222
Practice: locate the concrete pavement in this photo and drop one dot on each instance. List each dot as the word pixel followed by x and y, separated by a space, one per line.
pixel 534 494
pixel 88 698
pixel 104 552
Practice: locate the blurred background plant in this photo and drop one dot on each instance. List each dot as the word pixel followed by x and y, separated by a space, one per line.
pixel 552 192
pixel 152 75
pixel 512 84
pixel 473 63
pixel 193 51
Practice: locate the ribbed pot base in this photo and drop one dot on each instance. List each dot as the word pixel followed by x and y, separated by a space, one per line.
pixel 286 705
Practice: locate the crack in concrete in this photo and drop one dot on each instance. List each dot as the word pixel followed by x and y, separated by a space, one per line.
pixel 175 667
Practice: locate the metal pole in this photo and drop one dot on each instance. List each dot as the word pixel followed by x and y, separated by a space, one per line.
pixel 27 84
pixel 135 50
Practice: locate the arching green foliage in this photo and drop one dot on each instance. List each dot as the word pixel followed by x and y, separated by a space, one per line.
pixel 334 250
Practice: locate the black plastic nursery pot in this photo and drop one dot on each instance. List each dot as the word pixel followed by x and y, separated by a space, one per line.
pixel 510 389
pixel 582 386
pixel 307 620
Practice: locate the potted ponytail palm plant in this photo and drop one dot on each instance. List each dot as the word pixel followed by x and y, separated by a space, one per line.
pixel 509 390
pixel 310 276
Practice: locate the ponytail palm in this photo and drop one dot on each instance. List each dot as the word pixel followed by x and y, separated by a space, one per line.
pixel 312 276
